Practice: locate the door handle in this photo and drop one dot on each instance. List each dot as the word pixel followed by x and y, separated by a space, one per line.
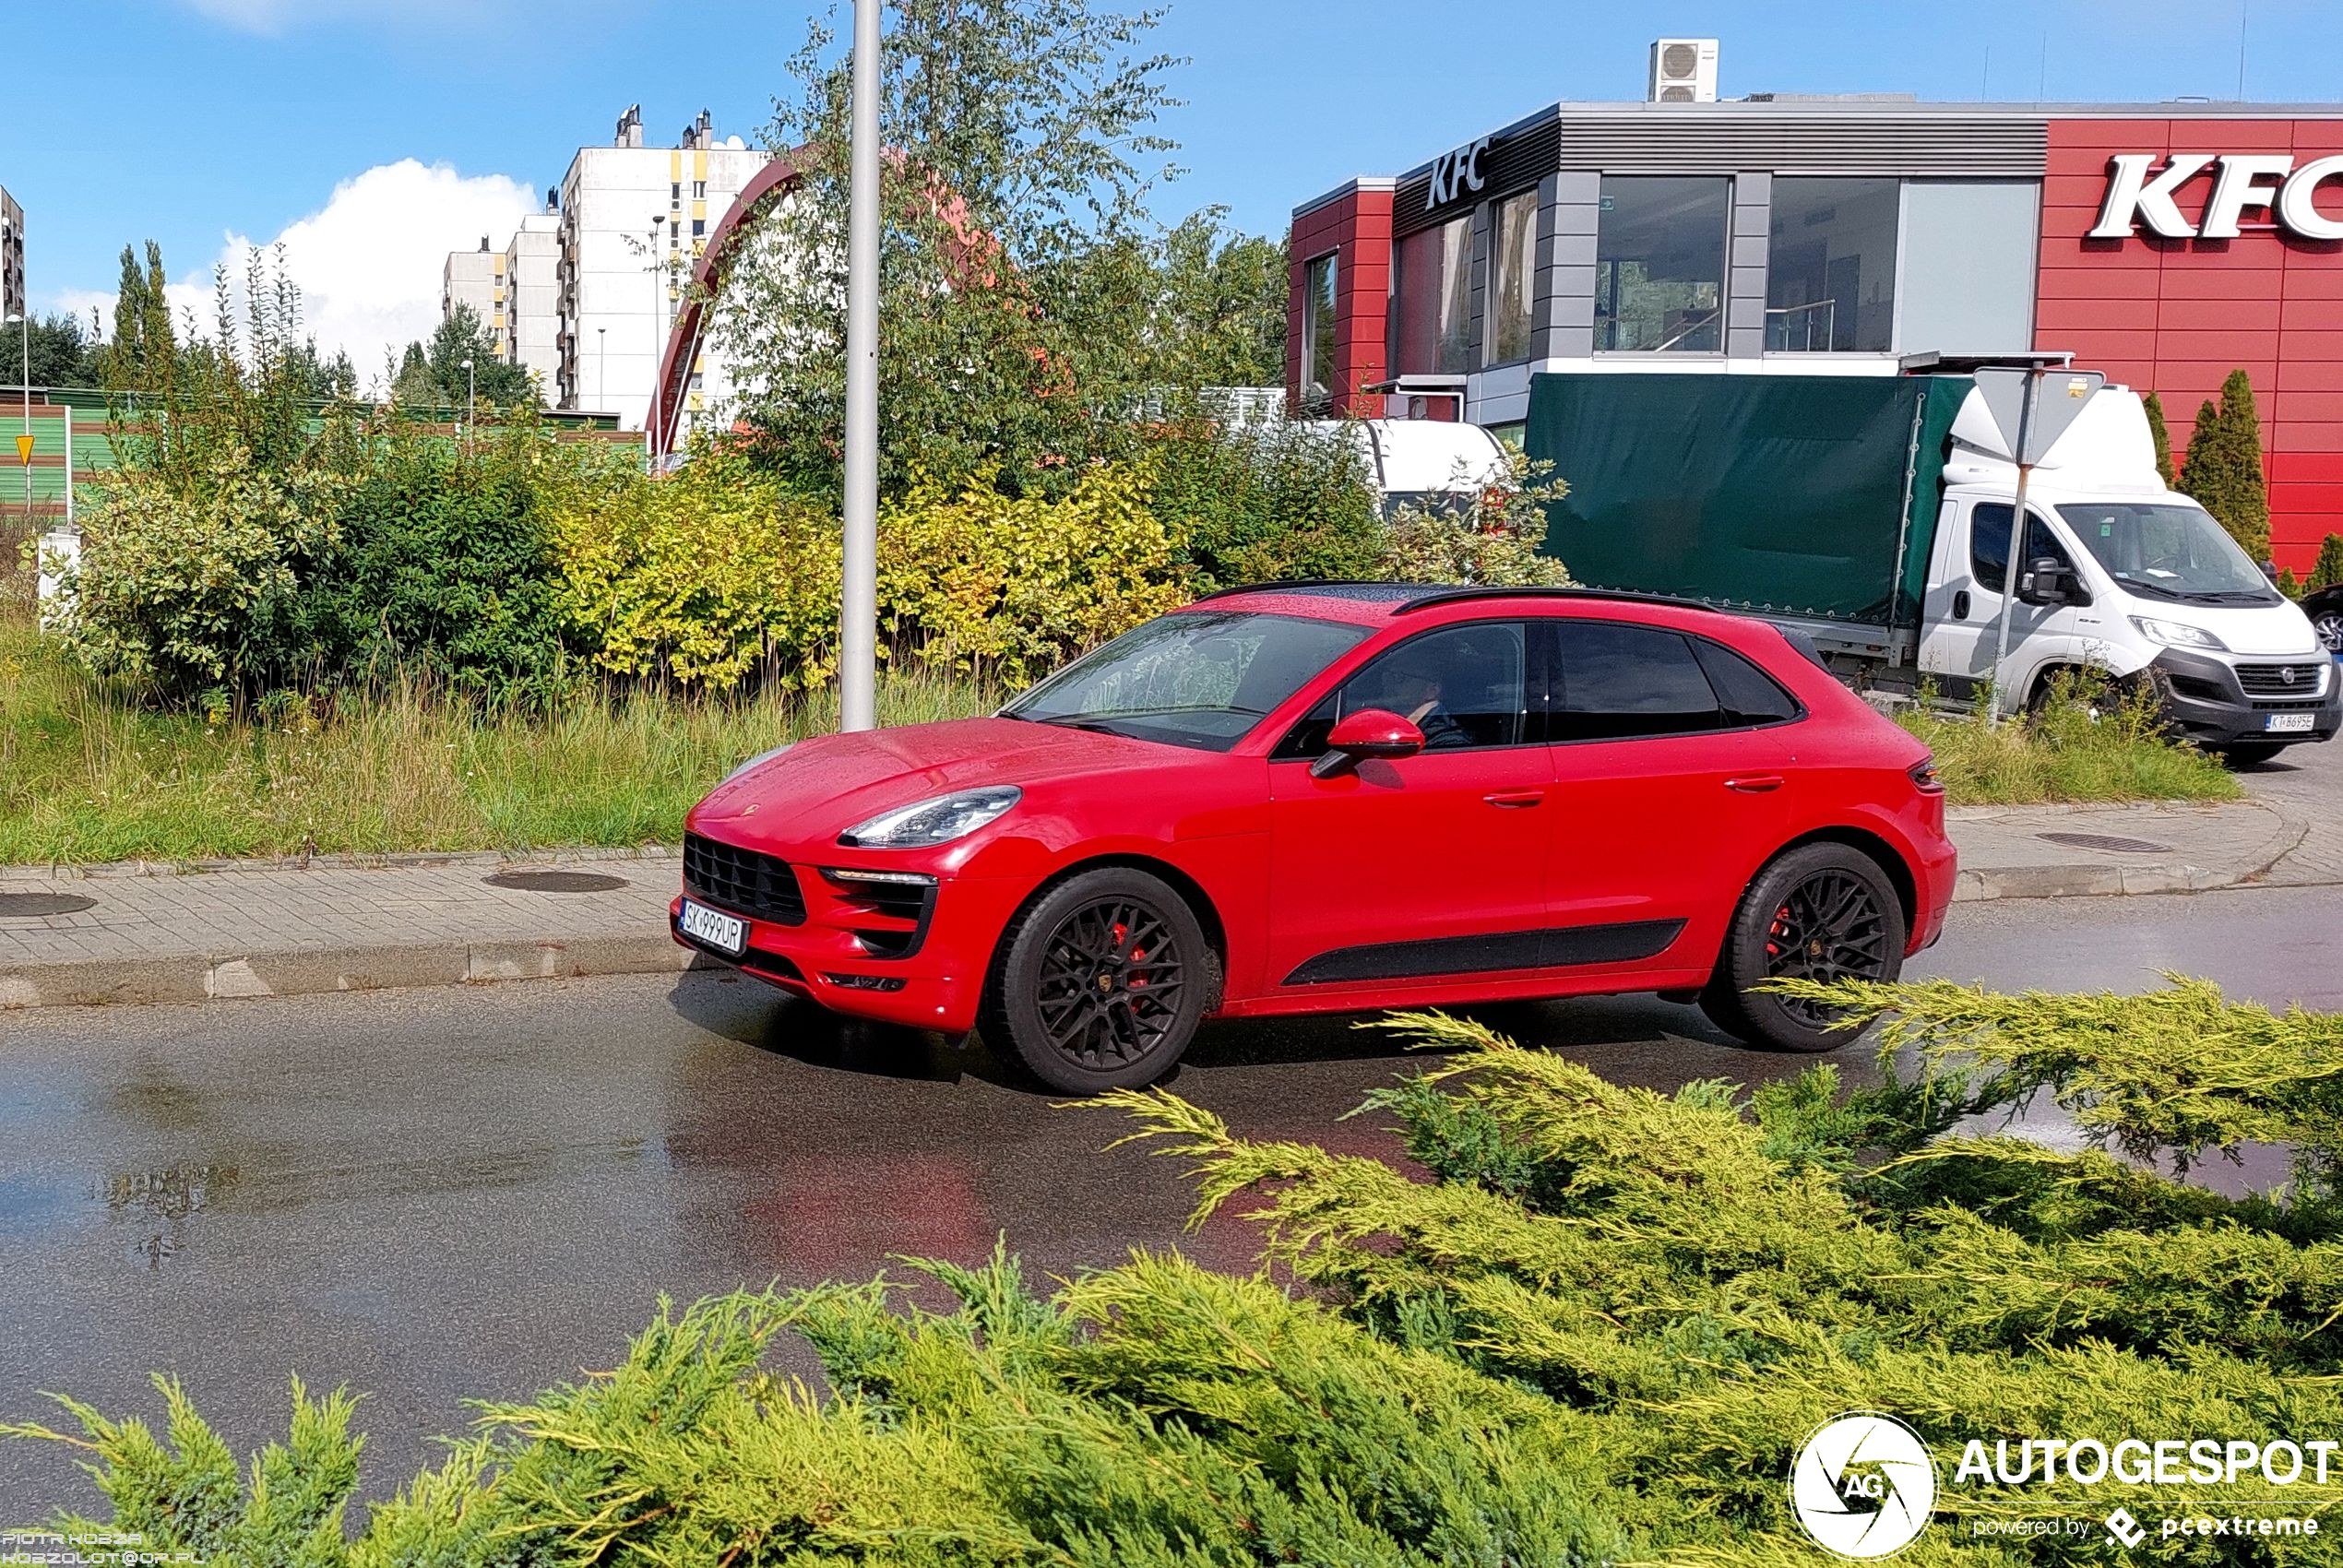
pixel 1515 797
pixel 1755 783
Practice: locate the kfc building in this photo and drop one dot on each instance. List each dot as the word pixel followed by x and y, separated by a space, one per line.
pixel 2166 245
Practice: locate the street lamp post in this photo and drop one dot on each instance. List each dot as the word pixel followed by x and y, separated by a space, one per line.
pixel 472 401
pixel 858 599
pixel 659 309
pixel 601 358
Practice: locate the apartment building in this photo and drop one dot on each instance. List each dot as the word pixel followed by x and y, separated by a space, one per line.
pixel 12 296
pixel 475 278
pixel 586 292
pixel 633 220
pixel 531 333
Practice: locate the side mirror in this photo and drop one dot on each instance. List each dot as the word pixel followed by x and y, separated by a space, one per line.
pixel 2048 580
pixel 1369 732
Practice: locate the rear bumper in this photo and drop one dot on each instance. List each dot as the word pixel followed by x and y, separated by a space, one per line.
pixel 1935 870
pixel 939 986
pixel 2207 702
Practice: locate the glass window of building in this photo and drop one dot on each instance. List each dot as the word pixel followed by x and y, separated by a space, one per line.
pixel 1514 262
pixel 1830 271
pixel 1317 341
pixel 1659 264
pixel 1432 301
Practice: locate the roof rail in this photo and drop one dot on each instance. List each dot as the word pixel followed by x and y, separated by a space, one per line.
pixel 1628 596
pixel 1301 584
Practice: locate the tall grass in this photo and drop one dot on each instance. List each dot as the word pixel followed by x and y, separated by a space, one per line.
pixel 2086 742
pixel 88 775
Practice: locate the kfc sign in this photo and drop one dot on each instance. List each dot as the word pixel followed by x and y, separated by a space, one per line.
pixel 2250 181
pixel 1452 173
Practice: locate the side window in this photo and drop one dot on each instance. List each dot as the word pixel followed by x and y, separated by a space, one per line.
pixel 1747 693
pixel 1989 544
pixel 1461 685
pixel 1617 681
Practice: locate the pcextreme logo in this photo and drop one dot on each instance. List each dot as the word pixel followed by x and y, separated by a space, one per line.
pixel 1862 1485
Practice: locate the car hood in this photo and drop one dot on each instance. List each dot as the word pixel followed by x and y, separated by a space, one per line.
pixel 821 787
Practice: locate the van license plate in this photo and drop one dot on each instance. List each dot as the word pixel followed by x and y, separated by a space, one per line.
pixel 2288 723
pixel 723 932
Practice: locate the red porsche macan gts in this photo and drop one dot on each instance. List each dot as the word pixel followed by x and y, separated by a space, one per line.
pixel 1335 797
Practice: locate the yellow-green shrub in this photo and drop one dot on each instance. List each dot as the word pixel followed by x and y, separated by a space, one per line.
pixel 1014 583
pixel 699 576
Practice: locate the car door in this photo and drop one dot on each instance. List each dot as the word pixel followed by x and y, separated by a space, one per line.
pixel 1675 771
pixel 1401 870
pixel 1964 608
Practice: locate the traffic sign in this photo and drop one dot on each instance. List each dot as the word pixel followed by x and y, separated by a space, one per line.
pixel 2062 397
pixel 24 450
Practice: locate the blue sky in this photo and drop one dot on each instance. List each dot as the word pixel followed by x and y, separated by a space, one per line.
pixel 202 122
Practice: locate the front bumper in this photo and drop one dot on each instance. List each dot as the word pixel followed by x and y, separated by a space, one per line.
pixel 938 984
pixel 2206 700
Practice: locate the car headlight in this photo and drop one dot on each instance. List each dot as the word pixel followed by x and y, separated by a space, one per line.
pixel 2172 633
pixel 759 757
pixel 938 821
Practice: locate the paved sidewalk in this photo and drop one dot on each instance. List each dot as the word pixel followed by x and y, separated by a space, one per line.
pixel 234 929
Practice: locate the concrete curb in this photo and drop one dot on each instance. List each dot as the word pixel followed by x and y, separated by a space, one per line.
pixel 227 977
pixel 2083 879
pixel 489 859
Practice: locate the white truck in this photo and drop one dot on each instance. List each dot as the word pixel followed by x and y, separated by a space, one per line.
pixel 1425 463
pixel 1873 515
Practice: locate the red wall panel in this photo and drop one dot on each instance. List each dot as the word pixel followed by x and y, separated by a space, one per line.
pixel 1356 226
pixel 2175 316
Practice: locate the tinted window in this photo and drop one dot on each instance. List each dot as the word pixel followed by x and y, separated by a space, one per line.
pixel 1746 694
pixel 1462 686
pixel 1989 545
pixel 1618 681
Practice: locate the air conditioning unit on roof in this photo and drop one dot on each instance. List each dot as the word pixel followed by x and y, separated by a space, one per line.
pixel 1684 70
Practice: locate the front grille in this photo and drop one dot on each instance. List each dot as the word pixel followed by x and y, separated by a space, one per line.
pixel 743 881
pixel 2300 679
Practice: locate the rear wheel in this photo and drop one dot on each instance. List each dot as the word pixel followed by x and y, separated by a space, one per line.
pixel 1100 983
pixel 1823 912
pixel 2328 623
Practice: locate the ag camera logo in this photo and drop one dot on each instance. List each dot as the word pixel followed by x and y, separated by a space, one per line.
pixel 1862 1485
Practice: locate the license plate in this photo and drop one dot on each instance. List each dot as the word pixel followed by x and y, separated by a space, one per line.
pixel 2288 723
pixel 725 933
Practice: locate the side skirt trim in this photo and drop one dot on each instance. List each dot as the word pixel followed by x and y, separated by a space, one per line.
pixel 1549 948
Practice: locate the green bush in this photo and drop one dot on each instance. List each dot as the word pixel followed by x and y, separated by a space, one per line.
pixel 1495 538
pixel 2327 570
pixel 1593 1326
pixel 1265 502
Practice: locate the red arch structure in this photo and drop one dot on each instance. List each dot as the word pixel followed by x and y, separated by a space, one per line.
pixel 976 259
pixel 690 331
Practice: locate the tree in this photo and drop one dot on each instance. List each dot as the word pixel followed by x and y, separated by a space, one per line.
pixel 433 376
pixel 62 355
pixel 1221 309
pixel 2327 570
pixel 1015 257
pixel 2162 436
pixel 144 355
pixel 2223 467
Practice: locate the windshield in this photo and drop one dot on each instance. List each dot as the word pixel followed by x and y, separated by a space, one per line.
pixel 1198 677
pixel 2168 550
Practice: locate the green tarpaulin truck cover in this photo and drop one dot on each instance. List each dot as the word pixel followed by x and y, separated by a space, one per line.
pixel 1805 495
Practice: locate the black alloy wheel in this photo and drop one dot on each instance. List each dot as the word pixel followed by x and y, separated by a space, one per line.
pixel 1101 982
pixel 1821 912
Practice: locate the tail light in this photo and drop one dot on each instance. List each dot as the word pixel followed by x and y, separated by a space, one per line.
pixel 1924 775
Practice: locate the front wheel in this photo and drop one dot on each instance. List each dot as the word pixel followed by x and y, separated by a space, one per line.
pixel 1823 912
pixel 1100 982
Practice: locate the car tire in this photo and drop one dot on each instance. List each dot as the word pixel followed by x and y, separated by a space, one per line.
pixel 2246 754
pixel 2328 624
pixel 1822 910
pixel 1100 982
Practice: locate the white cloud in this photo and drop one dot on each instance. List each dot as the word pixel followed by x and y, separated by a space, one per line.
pixel 368 264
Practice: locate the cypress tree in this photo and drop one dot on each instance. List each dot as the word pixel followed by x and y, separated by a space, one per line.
pixel 128 349
pixel 2223 466
pixel 2327 570
pixel 2162 436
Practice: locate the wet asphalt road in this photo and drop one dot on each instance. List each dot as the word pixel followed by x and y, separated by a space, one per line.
pixel 432 1195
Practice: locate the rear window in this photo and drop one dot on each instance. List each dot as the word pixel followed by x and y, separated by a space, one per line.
pixel 1746 694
